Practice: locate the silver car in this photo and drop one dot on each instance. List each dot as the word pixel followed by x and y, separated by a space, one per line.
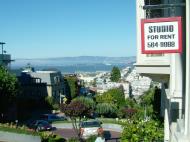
pixel 88 128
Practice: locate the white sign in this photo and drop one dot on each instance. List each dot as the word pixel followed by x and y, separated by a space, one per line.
pixel 163 35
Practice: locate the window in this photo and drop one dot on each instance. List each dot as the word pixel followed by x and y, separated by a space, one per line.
pixel 153 13
pixel 57 79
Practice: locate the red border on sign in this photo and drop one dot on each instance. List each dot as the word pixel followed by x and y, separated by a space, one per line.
pixel 158 20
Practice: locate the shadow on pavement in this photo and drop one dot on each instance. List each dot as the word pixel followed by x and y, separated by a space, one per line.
pixel 107 134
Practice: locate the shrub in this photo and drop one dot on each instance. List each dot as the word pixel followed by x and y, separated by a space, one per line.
pixel 106 109
pixel 126 112
pixel 115 95
pixel 73 140
pixel 91 139
pixel 50 137
pixel 52 103
pixel 88 102
pixel 136 130
pixel 56 138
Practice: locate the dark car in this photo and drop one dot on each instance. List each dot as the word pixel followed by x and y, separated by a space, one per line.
pixel 40 125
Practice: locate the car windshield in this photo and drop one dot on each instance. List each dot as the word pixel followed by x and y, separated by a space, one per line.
pixel 90 124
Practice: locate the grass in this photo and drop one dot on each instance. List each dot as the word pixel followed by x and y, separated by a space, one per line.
pixel 20 129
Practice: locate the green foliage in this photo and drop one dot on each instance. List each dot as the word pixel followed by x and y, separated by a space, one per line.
pixel 136 130
pixel 91 139
pixel 8 83
pixel 115 74
pixel 131 103
pixel 147 101
pixel 11 127
pixel 50 137
pixel 8 89
pixel 52 103
pixel 106 109
pixel 56 138
pixel 138 127
pixel 105 98
pixel 88 102
pixel 71 87
pixel 112 96
pixel 148 97
pixel 75 109
pixel 125 112
pixel 73 140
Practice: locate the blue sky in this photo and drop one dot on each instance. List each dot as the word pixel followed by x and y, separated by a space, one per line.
pixel 62 28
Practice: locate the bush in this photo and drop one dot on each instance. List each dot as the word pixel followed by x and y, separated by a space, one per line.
pixel 126 112
pixel 136 130
pixel 56 138
pixel 73 140
pixel 52 103
pixel 50 137
pixel 91 139
pixel 88 102
pixel 115 96
pixel 106 109
pixel 10 127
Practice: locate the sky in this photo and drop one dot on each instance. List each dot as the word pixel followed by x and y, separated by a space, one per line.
pixel 64 28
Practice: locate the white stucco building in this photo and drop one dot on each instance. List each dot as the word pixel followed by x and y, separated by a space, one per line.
pixel 171 70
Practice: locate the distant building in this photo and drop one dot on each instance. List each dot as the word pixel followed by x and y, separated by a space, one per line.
pixel 5 59
pixel 32 87
pixel 54 82
pixel 43 83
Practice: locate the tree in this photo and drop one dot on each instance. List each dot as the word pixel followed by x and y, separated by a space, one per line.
pixel 113 96
pixel 136 130
pixel 106 109
pixel 88 102
pixel 71 87
pixel 8 89
pixel 115 74
pixel 51 102
pixel 147 102
pixel 76 110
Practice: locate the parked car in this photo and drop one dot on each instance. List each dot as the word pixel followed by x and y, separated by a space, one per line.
pixel 40 125
pixel 88 128
pixel 52 117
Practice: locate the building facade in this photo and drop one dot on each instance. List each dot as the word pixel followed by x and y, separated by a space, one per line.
pixel 38 84
pixel 171 70
pixel 54 83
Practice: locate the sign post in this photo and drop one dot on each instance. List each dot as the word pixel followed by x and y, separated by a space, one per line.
pixel 161 35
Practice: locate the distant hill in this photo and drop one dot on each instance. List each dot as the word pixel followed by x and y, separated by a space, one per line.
pixel 67 61
pixel 76 64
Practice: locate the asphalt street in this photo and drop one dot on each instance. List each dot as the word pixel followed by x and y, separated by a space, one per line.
pixel 111 136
